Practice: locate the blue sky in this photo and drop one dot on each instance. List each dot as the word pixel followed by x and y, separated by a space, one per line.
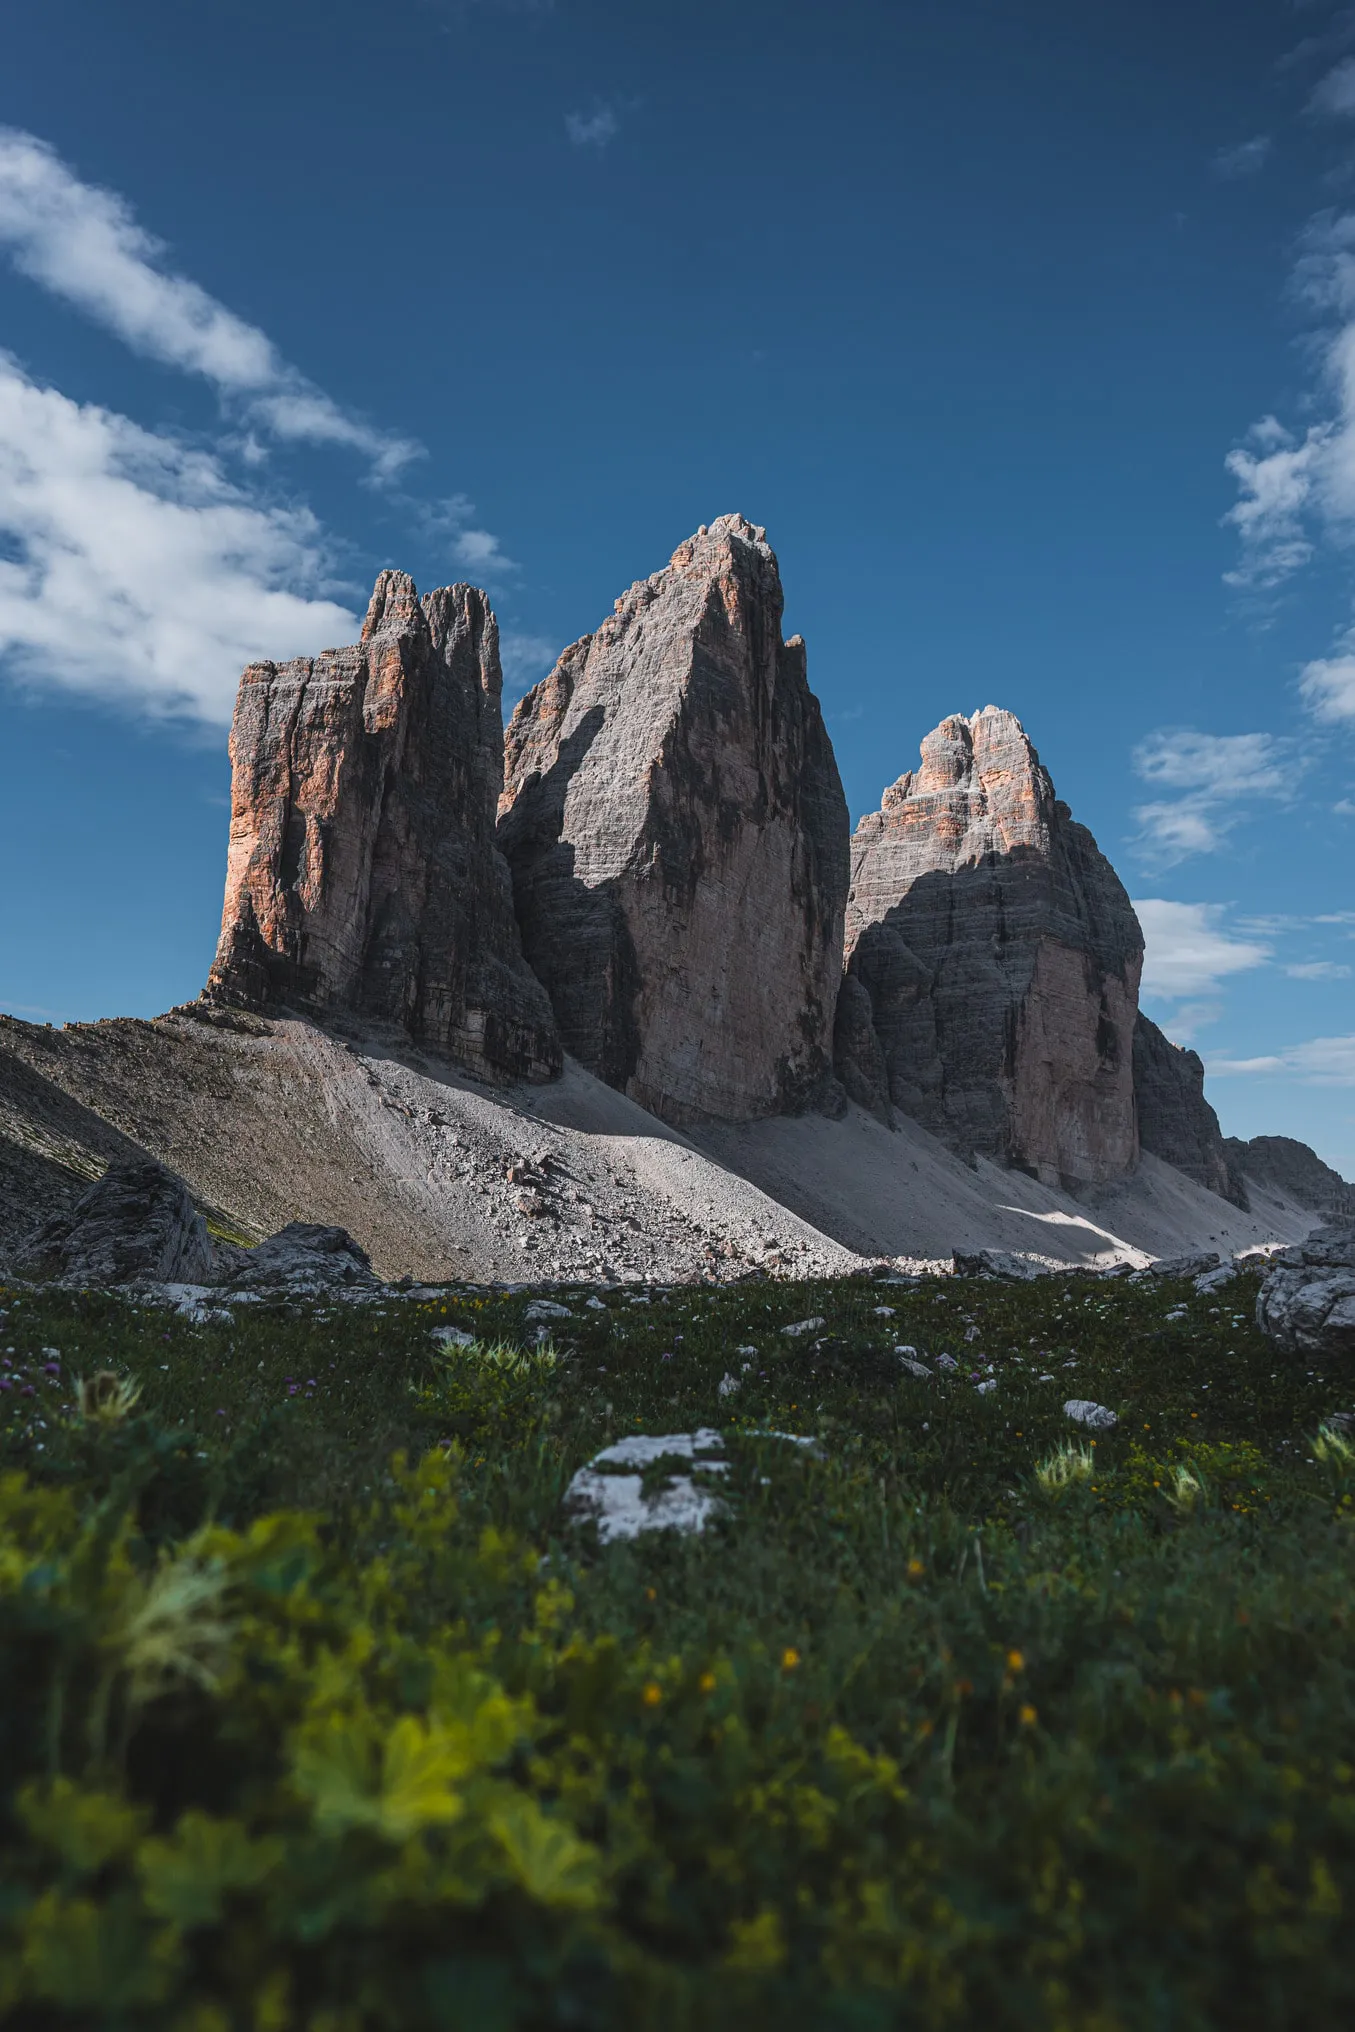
pixel 1029 333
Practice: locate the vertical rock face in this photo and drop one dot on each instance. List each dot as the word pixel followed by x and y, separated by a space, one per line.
pixel 1293 1168
pixel 363 873
pixel 1176 1122
pixel 994 961
pixel 675 825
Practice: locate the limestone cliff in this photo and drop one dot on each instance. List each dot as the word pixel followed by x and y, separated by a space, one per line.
pixel 1176 1122
pixel 993 962
pixel 363 873
pixel 1292 1168
pixel 676 829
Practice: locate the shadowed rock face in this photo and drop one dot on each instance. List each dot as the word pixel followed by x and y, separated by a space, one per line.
pixel 675 825
pixel 998 956
pixel 1291 1167
pixel 363 873
pixel 1176 1122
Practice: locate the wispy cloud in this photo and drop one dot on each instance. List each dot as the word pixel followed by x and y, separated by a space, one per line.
pixel 1328 685
pixel 592 130
pixel 1218 776
pixel 453 524
pixel 85 245
pixel 1334 95
pixel 1322 1062
pixel 133 569
pixel 1318 970
pixel 525 659
pixel 1245 159
pixel 1188 951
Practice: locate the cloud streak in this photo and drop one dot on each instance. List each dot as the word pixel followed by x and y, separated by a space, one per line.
pixel 1245 159
pixel 1218 777
pixel 592 130
pixel 136 571
pixel 1321 1062
pixel 1187 950
pixel 84 245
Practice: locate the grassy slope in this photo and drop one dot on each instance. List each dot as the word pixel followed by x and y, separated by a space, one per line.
pixel 905 1741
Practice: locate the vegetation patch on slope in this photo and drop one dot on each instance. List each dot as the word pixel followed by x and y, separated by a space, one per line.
pixel 321 1714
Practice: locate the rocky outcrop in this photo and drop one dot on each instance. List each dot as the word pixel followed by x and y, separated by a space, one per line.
pixel 135 1224
pixel 363 874
pixel 1292 1168
pixel 993 962
pixel 1307 1303
pixel 676 829
pixel 1176 1122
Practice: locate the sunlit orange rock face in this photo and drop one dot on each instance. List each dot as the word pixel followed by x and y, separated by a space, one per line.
pixel 675 825
pixel 363 874
pixel 993 962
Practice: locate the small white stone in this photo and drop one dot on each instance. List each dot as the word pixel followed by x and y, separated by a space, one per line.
pixel 595 1305
pixel 984 1388
pixel 453 1337
pixel 803 1326
pixel 884 1312
pixel 1096 1417
pixel 546 1308
pixel 727 1385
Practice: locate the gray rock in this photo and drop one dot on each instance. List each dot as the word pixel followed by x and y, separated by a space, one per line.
pixel 546 1308
pixel 1215 1280
pixel 677 832
pixel 1085 1411
pixel 363 874
pixel 1308 1307
pixel 994 962
pixel 1185 1266
pixel 136 1224
pixel 1006 1263
pixel 1176 1122
pixel 304 1257
pixel 1292 1168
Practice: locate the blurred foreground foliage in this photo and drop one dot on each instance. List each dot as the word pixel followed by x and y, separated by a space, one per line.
pixel 317 1716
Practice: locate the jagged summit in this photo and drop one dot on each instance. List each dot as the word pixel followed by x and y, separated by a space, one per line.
pixel 993 961
pixel 362 873
pixel 676 828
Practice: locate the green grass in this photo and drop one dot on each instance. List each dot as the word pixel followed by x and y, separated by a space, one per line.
pixel 324 1717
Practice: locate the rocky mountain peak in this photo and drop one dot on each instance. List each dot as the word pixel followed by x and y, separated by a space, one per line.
pixel 674 821
pixel 363 874
pixel 993 961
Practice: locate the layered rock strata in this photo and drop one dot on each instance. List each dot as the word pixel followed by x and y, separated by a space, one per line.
pixel 1176 1122
pixel 993 962
pixel 677 834
pixel 363 874
pixel 1291 1168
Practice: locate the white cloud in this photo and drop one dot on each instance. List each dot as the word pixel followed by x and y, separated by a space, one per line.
pixel 1318 970
pixel 1187 951
pixel 84 244
pixel 1328 687
pixel 132 569
pixel 525 658
pixel 1245 159
pixel 1323 1061
pixel 1215 772
pixel 592 130
pixel 1335 94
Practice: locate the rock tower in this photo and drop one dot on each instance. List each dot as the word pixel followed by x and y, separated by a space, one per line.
pixel 993 962
pixel 675 825
pixel 363 873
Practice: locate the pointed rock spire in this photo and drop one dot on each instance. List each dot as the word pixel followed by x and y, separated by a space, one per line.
pixel 675 824
pixel 993 961
pixel 363 873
